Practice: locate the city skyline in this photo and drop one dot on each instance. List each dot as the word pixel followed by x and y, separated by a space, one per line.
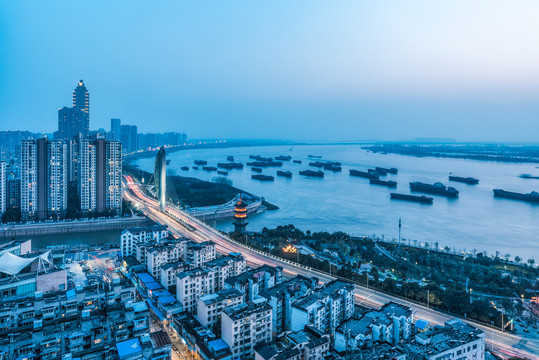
pixel 372 71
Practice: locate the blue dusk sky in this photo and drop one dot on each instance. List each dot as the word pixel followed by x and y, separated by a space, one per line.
pixel 384 70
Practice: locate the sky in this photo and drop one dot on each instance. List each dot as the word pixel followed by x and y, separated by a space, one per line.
pixel 295 70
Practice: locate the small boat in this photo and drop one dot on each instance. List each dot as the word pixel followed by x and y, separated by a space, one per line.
pixel 230 158
pixel 315 156
pixel 364 174
pixel 466 180
pixel 390 183
pixel 286 174
pixel 185 168
pixel 420 199
pixel 297 161
pixel 262 177
pixel 528 176
pixel 201 162
pixel 195 167
pixel 310 173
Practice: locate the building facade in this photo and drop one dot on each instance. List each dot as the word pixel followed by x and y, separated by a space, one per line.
pixel 43 179
pixel 3 186
pixel 100 176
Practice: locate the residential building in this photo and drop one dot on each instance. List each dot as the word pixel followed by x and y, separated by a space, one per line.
pixel 162 253
pixel 325 308
pixel 192 284
pixel 246 325
pixel 313 344
pixel 43 179
pixel 225 267
pixel 130 237
pixel 209 306
pixel 100 176
pixel 197 254
pixel 200 339
pixel 455 340
pixel 13 193
pixel 254 281
pixel 280 298
pixel 169 271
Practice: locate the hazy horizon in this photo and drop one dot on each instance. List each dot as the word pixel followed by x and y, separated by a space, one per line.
pixel 308 70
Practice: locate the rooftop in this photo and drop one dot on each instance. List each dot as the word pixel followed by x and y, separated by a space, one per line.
pixel 194 273
pixel 221 296
pixel 246 309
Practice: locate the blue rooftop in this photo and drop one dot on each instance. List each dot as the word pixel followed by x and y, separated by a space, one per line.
pixel 421 324
pixel 128 348
pixel 165 300
pixel 218 345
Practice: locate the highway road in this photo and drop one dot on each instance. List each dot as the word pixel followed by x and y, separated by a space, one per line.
pixel 181 224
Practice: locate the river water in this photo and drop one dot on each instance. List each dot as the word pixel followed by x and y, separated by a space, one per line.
pixel 476 220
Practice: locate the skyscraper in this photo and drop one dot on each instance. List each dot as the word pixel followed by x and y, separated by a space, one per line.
pixel 43 179
pixel 100 176
pixel 81 98
pixel 116 128
pixel 76 120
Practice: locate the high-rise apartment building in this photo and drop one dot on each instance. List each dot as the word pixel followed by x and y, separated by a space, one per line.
pixel 116 128
pixel 2 187
pixel 43 179
pixel 75 121
pixel 129 138
pixel 100 176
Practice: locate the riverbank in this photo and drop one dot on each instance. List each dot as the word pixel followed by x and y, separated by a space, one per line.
pixel 439 279
pixel 501 153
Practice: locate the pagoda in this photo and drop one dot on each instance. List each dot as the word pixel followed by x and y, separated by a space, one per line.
pixel 240 216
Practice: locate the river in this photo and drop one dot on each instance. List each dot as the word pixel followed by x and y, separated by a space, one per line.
pixel 339 202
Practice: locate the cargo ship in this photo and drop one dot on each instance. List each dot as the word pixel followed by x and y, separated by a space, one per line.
pixel 269 163
pixel 262 177
pixel 297 161
pixel 222 172
pixel 257 170
pixel 364 174
pixel 284 158
pixel 332 167
pixel 436 189
pixel 385 171
pixel 185 168
pixel 420 199
pixel 286 174
pixel 201 162
pixel 530 197
pixel 209 168
pixel 390 183
pixel 310 173
pixel 466 180
pixel 230 165
pixel 314 156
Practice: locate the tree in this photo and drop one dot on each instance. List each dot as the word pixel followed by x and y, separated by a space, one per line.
pixel 518 259
pixel 531 262
pixel 11 215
